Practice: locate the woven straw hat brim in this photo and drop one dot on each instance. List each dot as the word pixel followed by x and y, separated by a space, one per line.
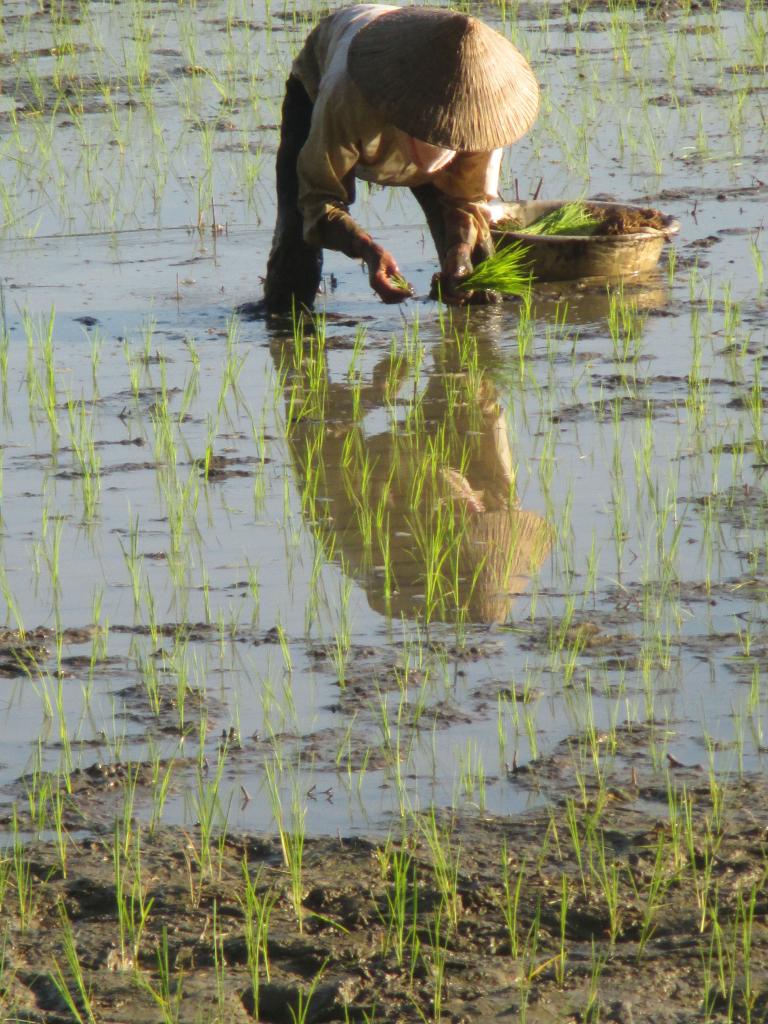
pixel 444 78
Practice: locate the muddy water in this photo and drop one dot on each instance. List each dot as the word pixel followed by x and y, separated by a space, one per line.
pixel 137 182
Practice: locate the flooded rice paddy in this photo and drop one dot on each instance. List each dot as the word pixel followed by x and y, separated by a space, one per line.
pixel 481 591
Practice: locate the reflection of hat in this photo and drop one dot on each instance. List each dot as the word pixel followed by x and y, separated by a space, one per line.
pixel 504 548
pixel 444 78
pixel 498 553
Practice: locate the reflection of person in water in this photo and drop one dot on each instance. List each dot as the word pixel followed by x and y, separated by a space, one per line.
pixel 425 517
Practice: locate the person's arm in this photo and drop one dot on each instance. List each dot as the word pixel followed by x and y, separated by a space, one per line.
pixel 336 229
pixel 325 166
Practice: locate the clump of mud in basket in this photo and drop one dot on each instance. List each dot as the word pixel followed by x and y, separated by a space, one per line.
pixel 623 220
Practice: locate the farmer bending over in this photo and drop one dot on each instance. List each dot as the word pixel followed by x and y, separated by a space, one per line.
pixel 396 96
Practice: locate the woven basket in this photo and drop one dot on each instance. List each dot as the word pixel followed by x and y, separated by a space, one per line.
pixel 568 257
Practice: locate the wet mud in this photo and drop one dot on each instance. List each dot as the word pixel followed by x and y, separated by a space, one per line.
pixel 623 915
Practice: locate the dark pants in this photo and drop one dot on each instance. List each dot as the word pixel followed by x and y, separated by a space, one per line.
pixel 294 268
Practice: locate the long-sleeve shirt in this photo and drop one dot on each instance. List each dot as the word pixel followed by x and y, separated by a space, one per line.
pixel 349 139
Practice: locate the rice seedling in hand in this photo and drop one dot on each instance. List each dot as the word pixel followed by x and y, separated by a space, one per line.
pixel 506 271
pixel 401 283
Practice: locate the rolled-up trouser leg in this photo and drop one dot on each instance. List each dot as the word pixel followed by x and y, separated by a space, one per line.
pixel 428 198
pixel 294 268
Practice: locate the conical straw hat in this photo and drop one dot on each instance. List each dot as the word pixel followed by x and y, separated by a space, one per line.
pixel 444 78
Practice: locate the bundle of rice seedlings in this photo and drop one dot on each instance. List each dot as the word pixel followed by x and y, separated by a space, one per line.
pixel 398 281
pixel 507 271
pixel 570 219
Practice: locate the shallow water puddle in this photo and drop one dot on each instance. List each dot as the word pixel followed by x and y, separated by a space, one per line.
pixel 234 552
pixel 487 586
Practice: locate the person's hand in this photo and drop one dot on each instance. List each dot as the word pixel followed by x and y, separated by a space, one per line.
pixel 385 277
pixel 456 265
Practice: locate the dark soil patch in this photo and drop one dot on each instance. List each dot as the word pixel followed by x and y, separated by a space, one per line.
pixel 618 916
pixel 626 408
pixel 740 507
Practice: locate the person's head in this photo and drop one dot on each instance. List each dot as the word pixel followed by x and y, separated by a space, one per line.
pixel 444 78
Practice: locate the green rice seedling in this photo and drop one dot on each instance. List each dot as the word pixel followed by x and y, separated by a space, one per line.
pixel 676 810
pixel 151 680
pixel 178 667
pixel 626 326
pixel 654 897
pixel 445 864
pixel 531 969
pixel 41 387
pixel 607 875
pixel 401 283
pixel 671 264
pixel 529 722
pixel 257 909
pixel 701 861
pixel 6 866
pixel 22 876
pixel 37 792
pixel 52 552
pixel 526 332
pixel 507 271
pixel 127 818
pixel 436 961
pixel 167 996
pixel 591 1012
pixel 397 747
pixel 693 280
pixel 401 894
pixel 744 925
pixel 133 906
pixel 133 559
pixel 572 821
pixel 210 813
pixel 757 259
pixel 160 788
pixel 569 219
pixel 717 798
pixel 291 840
pixel 5 342
pixel 342 637
pixel 472 775
pixel 560 960
pixel 57 802
pixel 301 1013
pixel 511 903
pixel 87 459
pixel 78 1001
pixel 219 963
pixel 713 968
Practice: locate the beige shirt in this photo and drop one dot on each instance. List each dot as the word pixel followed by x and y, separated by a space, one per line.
pixel 349 139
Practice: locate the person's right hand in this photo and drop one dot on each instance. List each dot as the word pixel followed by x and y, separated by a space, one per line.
pixel 456 265
pixel 382 267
